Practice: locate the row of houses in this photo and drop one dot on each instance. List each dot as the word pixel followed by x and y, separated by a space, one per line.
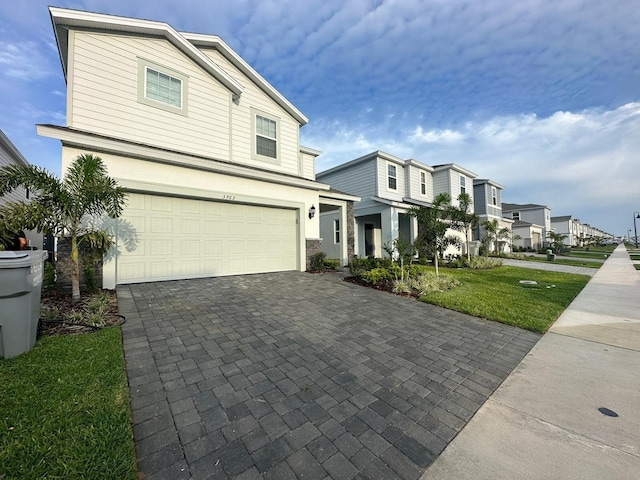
pixel 210 155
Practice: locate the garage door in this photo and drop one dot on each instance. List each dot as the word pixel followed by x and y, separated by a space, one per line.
pixel 184 238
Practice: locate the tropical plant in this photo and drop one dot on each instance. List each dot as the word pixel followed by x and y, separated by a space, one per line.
pixel 401 251
pixel 432 227
pixel 463 219
pixel 556 242
pixel 64 208
pixel 496 235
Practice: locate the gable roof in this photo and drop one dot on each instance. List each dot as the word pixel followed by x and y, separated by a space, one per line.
pixel 455 167
pixel 65 19
pixel 524 206
pixel 482 181
pixel 10 148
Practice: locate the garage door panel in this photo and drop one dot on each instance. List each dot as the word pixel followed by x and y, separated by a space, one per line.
pixel 183 238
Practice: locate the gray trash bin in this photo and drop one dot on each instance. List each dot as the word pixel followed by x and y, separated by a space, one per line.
pixel 20 286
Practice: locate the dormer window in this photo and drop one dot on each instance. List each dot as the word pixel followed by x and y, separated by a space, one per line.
pixel 392 177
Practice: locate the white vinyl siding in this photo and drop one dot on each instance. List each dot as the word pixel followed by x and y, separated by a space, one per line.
pixel 441 183
pixel 104 81
pixel 254 100
pixel 18 194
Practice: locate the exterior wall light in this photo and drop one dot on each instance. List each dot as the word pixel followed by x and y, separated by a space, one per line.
pixel 312 212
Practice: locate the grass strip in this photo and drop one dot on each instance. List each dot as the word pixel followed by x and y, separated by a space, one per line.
pixel 64 411
pixel 498 295
pixel 562 261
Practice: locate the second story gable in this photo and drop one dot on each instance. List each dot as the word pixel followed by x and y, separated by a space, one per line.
pixel 383 176
pixel 529 212
pixel 143 81
pixel 453 179
pixel 487 197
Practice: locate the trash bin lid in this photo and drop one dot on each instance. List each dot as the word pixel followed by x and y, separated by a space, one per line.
pixel 11 255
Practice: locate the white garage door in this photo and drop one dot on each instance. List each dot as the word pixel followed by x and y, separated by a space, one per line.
pixel 184 238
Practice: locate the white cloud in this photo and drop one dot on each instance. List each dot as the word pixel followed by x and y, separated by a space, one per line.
pixel 22 61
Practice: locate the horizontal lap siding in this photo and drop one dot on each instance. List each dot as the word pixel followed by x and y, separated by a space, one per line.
pixel 358 179
pixel 241 123
pixel 18 194
pixel 105 96
pixel 383 181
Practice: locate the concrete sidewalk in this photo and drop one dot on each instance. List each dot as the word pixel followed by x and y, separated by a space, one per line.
pixel 546 421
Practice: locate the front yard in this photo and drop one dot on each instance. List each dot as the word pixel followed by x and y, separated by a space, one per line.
pixel 64 411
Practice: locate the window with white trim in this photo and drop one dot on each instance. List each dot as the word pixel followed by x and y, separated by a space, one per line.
pixel 162 87
pixel 423 183
pixel 463 184
pixel 494 196
pixel 266 133
pixel 266 137
pixel 336 231
pixel 392 177
pixel 515 215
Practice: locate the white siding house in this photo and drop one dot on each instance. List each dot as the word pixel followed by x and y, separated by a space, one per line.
pixel 207 149
pixel 530 213
pixel 10 155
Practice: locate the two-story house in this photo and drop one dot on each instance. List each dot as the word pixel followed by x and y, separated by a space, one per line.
pixel 208 150
pixel 568 226
pixel 529 216
pixel 487 202
pixel 10 155
pixel 388 187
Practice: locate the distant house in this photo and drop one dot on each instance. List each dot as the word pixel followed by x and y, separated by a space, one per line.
pixel 568 226
pixel 388 187
pixel 208 151
pixel 531 213
pixel 527 235
pixel 10 155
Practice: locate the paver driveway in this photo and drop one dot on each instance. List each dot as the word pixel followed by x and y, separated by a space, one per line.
pixel 292 375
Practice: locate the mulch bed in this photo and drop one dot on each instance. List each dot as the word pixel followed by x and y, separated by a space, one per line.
pixel 62 302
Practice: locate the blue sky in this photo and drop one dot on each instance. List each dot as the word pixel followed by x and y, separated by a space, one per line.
pixel 540 96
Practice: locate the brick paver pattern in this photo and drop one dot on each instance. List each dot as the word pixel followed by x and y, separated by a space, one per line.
pixel 292 375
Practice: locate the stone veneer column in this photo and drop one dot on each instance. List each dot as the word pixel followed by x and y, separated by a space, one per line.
pixel 314 245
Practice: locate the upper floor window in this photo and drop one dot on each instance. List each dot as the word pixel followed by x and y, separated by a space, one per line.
pixel 336 231
pixel 392 177
pixel 463 184
pixel 515 215
pixel 423 183
pixel 162 87
pixel 494 196
pixel 266 131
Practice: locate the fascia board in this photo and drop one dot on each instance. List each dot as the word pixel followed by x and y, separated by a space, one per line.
pixel 11 148
pixel 100 143
pixel 214 41
pixel 63 18
pixel 310 151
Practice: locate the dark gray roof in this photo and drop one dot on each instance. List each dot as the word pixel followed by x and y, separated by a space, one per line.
pixel 521 206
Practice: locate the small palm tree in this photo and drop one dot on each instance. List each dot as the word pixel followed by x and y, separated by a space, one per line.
pixel 63 207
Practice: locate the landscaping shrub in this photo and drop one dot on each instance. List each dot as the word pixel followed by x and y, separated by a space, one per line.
pixel 483 263
pixel 376 275
pixel 428 283
pixel 316 262
pixel 331 263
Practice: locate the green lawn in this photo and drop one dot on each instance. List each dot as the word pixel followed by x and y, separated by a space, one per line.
pixel 64 410
pixel 497 295
pixel 564 261
pixel 592 252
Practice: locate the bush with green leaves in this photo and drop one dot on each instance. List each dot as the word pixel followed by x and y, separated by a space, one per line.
pixel 316 262
pixel 483 263
pixel 376 275
pixel 331 263
pixel 427 283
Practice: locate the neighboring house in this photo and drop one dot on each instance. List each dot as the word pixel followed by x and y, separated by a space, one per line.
pixel 529 213
pixel 206 148
pixel 530 235
pixel 568 226
pixel 487 203
pixel 10 155
pixel 388 187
